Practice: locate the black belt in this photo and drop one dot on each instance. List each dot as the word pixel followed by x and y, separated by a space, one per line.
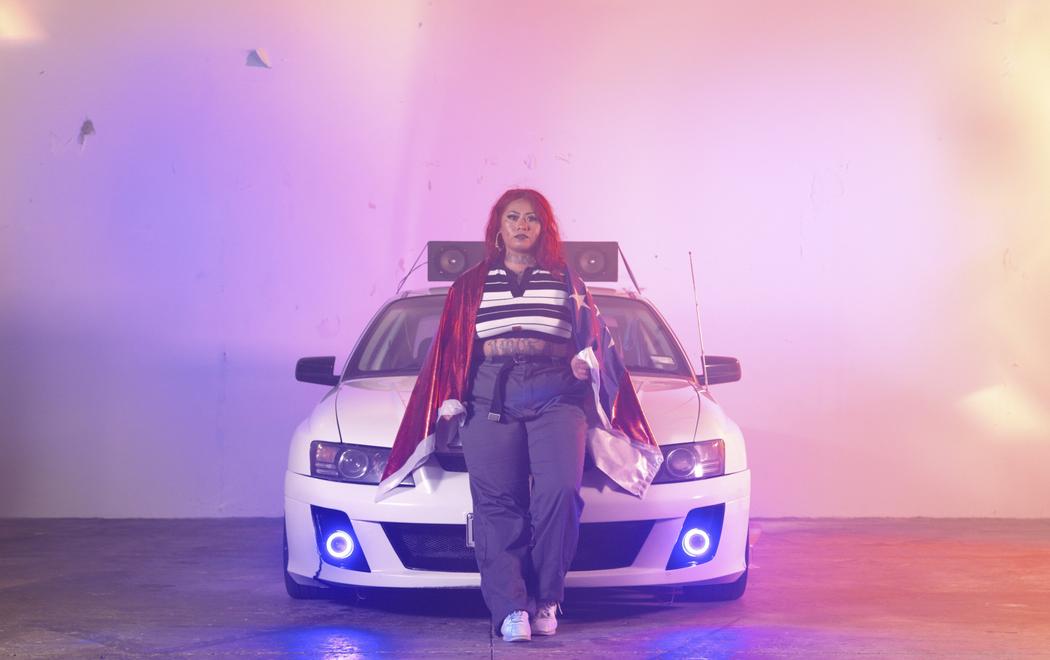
pixel 508 362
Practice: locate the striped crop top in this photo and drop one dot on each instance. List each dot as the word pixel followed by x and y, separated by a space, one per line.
pixel 536 306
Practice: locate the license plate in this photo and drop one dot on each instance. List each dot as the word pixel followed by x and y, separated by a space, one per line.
pixel 470 530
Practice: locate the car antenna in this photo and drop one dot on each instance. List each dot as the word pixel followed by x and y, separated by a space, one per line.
pixel 699 328
pixel 411 270
pixel 629 271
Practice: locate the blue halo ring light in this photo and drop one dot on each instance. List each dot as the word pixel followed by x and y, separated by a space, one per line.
pixel 696 542
pixel 699 537
pixel 339 544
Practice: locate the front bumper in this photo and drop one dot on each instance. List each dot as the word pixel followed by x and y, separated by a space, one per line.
pixel 444 498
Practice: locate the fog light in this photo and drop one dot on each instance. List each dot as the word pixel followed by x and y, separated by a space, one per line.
pixel 341 546
pixel 696 542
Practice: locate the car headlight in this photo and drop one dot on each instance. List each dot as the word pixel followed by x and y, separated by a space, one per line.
pixel 357 464
pixel 692 460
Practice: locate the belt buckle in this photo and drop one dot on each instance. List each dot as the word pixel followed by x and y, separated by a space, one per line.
pixel 520 358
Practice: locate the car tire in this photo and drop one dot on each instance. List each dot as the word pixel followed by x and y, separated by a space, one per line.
pixel 296 590
pixel 721 592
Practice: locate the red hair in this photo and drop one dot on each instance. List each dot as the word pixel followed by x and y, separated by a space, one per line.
pixel 548 249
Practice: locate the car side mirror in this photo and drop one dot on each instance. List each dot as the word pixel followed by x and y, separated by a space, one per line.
pixel 320 370
pixel 720 369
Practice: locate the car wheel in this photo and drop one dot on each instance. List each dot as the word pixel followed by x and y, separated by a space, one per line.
pixel 296 590
pixel 722 592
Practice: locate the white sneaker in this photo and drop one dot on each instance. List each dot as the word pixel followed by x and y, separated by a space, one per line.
pixel 516 628
pixel 546 620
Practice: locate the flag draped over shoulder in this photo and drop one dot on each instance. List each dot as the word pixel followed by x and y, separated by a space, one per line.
pixel 621 442
pixel 442 378
pixel 619 438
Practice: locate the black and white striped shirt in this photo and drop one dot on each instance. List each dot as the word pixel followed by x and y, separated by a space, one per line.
pixel 536 306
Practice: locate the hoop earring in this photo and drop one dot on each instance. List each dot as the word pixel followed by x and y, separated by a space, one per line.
pixel 499 242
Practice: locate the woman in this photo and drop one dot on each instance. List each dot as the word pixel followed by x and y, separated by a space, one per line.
pixel 515 360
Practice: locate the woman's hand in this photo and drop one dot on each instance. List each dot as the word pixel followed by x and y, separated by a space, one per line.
pixel 450 408
pixel 580 369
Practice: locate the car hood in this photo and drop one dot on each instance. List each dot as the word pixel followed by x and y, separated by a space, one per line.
pixel 369 410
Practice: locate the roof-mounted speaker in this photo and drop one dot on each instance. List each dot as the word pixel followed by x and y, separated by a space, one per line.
pixel 594 261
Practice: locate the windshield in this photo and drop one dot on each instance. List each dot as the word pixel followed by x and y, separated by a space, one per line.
pixel 397 341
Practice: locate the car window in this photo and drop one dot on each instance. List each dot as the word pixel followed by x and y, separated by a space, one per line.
pixel 397 340
pixel 645 342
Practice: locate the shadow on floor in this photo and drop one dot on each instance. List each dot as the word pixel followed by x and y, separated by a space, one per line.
pixel 584 604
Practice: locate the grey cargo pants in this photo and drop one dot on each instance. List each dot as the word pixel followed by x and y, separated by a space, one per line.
pixel 525 538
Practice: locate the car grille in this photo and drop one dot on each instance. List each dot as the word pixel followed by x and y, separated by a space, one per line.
pixel 453 461
pixel 443 547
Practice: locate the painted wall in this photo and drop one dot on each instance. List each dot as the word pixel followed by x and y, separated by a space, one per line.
pixel 864 186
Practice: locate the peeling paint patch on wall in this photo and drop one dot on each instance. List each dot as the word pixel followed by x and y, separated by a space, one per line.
pixel 86 129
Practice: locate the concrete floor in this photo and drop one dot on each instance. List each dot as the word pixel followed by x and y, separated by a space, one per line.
pixel 818 588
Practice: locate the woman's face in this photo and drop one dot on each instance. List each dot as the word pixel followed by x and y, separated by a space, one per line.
pixel 520 226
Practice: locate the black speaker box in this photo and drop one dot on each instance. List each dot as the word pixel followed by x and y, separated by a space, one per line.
pixel 595 261
pixel 446 260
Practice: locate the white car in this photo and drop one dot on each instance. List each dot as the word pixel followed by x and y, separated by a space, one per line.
pixel 690 529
